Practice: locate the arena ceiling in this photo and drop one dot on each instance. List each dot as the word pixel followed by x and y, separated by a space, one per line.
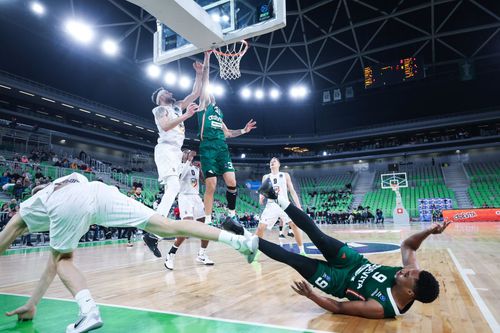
pixel 326 44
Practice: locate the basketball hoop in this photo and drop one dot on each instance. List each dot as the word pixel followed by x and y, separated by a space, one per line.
pixel 395 187
pixel 229 59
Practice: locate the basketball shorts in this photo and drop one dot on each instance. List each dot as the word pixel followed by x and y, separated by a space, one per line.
pixel 35 215
pixel 215 158
pixel 191 205
pixel 333 278
pixel 74 208
pixel 271 214
pixel 168 160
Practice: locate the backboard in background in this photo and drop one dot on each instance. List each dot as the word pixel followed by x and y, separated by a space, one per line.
pixel 188 27
pixel 238 19
pixel 395 178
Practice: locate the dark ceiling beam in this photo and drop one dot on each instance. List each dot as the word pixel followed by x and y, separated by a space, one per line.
pixel 308 9
pixel 411 41
pixel 449 15
pixel 395 18
pixel 358 53
pixel 485 42
pixel 308 58
pixel 334 18
pixel 451 48
pixel 486 10
pixel 135 18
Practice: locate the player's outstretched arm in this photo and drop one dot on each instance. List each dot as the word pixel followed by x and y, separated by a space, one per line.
pixel 205 79
pixel 28 310
pixel 167 124
pixel 410 245
pixel 367 309
pixel 198 67
pixel 229 133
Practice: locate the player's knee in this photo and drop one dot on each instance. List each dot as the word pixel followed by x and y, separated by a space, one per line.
pixel 232 189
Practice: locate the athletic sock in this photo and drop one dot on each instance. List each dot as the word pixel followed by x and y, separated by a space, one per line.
pixel 201 252
pixel 208 219
pixel 85 301
pixel 301 249
pixel 281 230
pixel 173 249
pixel 231 212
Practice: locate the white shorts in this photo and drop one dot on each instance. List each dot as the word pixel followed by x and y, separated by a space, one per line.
pixel 271 214
pixel 35 215
pixel 168 160
pixel 75 207
pixel 190 205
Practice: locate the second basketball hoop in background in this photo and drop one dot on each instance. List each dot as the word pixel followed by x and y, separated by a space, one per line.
pixel 229 57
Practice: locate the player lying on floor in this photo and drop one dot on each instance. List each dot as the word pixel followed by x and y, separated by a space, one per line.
pixel 373 290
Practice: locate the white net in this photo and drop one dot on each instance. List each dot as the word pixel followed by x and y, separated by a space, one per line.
pixel 229 58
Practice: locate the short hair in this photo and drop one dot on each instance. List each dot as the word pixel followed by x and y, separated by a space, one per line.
pixel 427 288
pixel 155 95
pixel 275 158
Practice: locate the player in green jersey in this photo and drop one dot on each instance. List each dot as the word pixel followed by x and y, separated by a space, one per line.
pixel 373 290
pixel 214 152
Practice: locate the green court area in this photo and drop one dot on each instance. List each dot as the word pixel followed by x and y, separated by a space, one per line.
pixel 55 315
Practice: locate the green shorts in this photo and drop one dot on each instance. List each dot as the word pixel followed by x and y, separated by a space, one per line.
pixel 215 158
pixel 333 278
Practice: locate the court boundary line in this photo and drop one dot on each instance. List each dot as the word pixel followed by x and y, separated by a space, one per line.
pixel 233 321
pixel 485 311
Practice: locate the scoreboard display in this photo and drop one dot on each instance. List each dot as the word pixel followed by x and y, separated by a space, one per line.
pixel 407 69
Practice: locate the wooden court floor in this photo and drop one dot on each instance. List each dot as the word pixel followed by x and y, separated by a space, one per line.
pixel 466 260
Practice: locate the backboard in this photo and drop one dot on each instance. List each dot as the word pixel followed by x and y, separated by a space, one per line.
pixel 188 27
pixel 395 178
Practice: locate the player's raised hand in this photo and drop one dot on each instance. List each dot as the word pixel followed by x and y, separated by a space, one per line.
pixel 25 312
pixel 302 288
pixel 191 155
pixel 192 109
pixel 198 67
pixel 438 228
pixel 250 125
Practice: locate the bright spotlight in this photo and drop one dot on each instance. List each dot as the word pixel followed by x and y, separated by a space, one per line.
pixel 259 94
pixel 37 8
pixel 109 47
pixel 80 31
pixel 225 18
pixel 153 71
pixel 243 155
pixel 170 78
pixel 275 93
pixel 325 153
pixel 216 90
pixel 184 82
pixel 246 93
pixel 216 17
pixel 298 92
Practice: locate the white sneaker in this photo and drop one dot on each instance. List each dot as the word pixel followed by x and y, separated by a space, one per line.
pixel 203 259
pixel 248 246
pixel 87 322
pixel 169 261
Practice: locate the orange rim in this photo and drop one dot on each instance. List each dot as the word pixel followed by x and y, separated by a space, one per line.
pixel 239 54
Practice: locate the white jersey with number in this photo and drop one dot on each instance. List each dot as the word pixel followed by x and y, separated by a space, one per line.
pixel 174 136
pixel 279 184
pixel 189 179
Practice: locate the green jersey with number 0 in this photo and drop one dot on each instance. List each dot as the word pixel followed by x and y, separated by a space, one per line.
pixel 210 123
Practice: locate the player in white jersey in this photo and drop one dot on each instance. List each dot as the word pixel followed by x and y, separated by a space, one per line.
pixel 282 184
pixel 66 208
pixel 190 207
pixel 169 120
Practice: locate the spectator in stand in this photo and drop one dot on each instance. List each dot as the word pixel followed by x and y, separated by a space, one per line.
pixel 24 159
pixel 485 205
pixel 380 216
